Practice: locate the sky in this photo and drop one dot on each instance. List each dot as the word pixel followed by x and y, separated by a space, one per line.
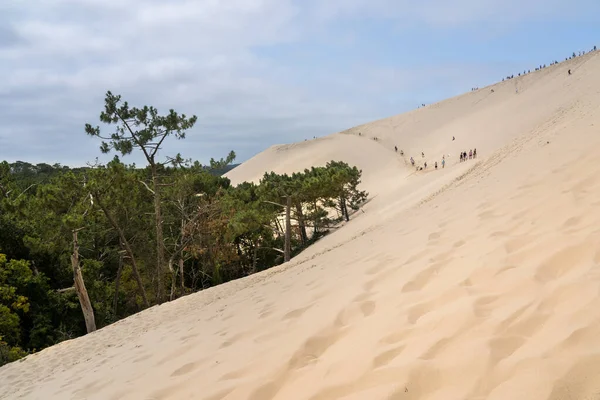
pixel 258 72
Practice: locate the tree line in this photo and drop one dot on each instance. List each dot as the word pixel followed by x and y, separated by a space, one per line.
pixel 82 248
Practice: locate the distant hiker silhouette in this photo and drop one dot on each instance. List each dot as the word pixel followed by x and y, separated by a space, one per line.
pixel 569 72
pixel 396 148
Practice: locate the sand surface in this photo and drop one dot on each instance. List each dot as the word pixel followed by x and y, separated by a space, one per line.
pixel 478 281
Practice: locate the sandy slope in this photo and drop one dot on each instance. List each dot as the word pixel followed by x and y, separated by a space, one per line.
pixel 480 281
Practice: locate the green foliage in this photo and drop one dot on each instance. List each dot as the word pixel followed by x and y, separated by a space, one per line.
pixel 210 232
pixel 213 233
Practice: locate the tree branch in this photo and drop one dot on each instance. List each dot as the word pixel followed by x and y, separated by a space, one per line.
pixel 133 135
pixel 159 143
pixel 147 187
pixel 276 204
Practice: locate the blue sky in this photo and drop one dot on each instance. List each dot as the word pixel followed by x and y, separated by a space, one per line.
pixel 258 72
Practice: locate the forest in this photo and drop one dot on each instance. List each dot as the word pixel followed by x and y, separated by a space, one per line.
pixel 81 248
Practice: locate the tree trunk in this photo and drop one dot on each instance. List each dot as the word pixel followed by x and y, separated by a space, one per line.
pixel 117 283
pixel 125 242
pixel 278 227
pixel 316 227
pixel 288 230
pixel 173 278
pixel 303 235
pixel 254 259
pixel 182 276
pixel 160 248
pixel 84 300
pixel 344 208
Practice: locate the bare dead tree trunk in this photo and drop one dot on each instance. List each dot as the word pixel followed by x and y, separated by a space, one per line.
pixel 160 248
pixel 288 230
pixel 84 300
pixel 182 275
pixel 301 224
pixel 125 242
pixel 173 277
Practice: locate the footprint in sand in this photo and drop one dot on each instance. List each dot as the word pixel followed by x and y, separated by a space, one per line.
pixel 572 222
pixel 188 337
pixel 443 257
pixel 186 369
pixel 417 256
pixel 436 349
pixel 416 312
pixel 497 234
pixel 142 358
pixel 297 313
pixel 237 374
pixel 362 297
pixel 233 339
pixel 315 347
pixel 355 312
pixel 381 277
pixel 503 347
pixel 395 337
pixel 515 244
pixel 376 269
pixel 367 308
pixel 458 244
pixel 434 236
pixel 506 327
pixel 486 215
pixel 176 354
pixel 266 311
pixel 388 356
pixel 482 306
pixel 421 279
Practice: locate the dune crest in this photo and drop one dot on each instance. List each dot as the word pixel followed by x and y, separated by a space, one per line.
pixel 476 281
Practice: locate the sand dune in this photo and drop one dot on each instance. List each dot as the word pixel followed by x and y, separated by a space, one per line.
pixel 480 281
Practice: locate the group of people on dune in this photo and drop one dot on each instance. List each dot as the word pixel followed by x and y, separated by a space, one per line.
pixel 542 66
pixel 464 156
pixel 419 168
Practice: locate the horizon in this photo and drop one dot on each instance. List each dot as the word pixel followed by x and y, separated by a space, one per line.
pixel 258 73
